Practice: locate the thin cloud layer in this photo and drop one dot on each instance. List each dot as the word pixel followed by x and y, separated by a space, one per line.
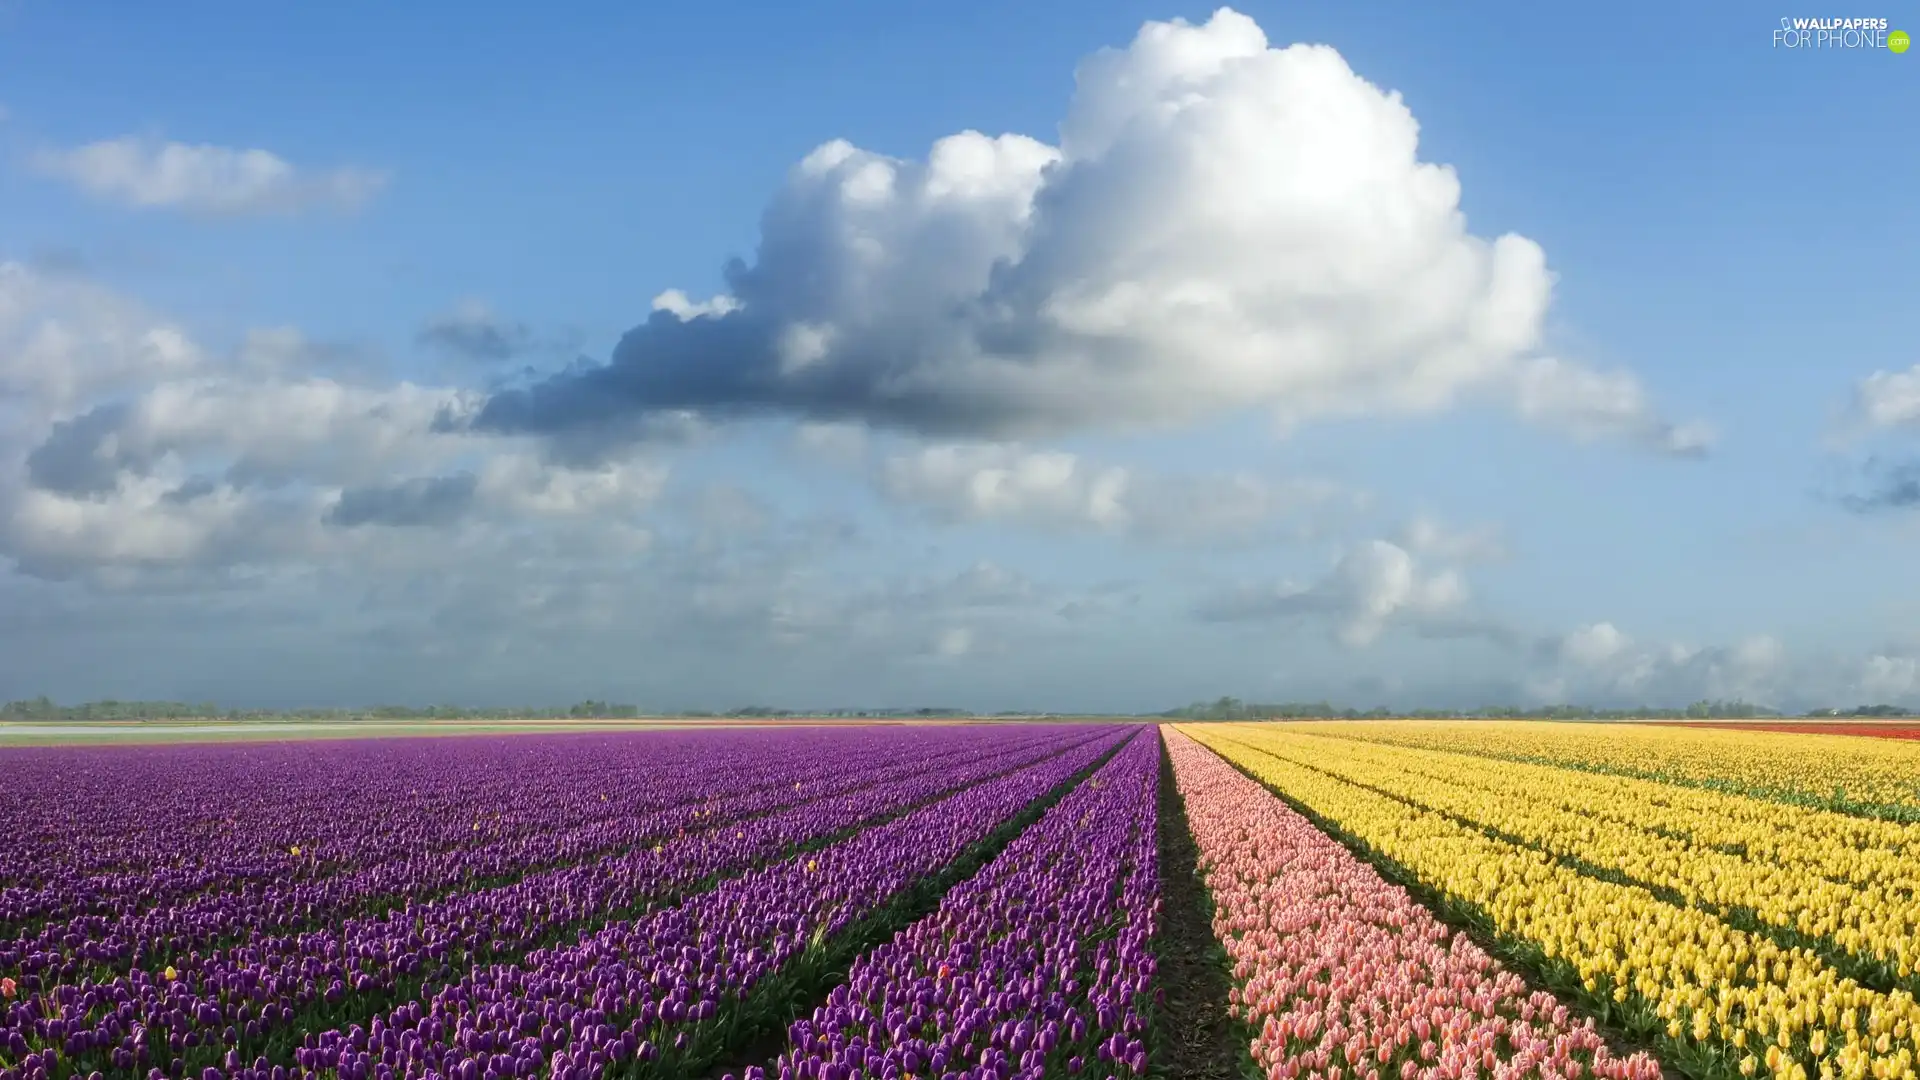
pixel 1884 485
pixel 134 457
pixel 1600 663
pixel 1010 483
pixel 1587 404
pixel 1425 536
pixel 1883 412
pixel 416 501
pixel 1888 400
pixel 1375 586
pixel 149 174
pixel 65 340
pixel 473 331
pixel 1222 225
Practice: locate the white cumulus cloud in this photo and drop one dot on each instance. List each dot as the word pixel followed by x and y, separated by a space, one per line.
pixel 1223 224
pixel 149 173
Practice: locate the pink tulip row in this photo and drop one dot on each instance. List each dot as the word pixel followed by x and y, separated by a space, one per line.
pixel 1340 973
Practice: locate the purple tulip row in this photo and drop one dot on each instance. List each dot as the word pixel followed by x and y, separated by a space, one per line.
pixel 1039 966
pixel 231 1006
pixel 100 946
pixel 437 831
pixel 637 995
pixel 151 828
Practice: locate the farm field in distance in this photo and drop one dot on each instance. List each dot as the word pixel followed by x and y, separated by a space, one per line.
pixel 106 732
pixel 948 900
pixel 1879 729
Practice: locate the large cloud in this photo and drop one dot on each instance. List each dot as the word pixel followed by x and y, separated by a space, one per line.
pixel 1221 225
pixel 203 178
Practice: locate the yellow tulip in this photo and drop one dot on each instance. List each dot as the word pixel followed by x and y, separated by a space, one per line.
pixel 1506 837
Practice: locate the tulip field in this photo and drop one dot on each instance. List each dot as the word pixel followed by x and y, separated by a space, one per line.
pixel 1738 903
pixel 1379 900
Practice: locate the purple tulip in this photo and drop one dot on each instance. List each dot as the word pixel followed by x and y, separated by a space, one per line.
pixel 986 980
pixel 473 864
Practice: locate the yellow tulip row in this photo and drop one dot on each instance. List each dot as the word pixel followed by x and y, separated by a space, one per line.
pixel 1803 871
pixel 1885 772
pixel 1757 1006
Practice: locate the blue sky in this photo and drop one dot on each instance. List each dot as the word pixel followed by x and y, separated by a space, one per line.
pixel 1059 484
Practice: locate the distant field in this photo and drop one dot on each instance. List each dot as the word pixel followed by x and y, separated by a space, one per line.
pixel 1880 729
pixel 186 731
pixel 173 731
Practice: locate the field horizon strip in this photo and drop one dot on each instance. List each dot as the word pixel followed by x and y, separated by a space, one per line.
pixel 310 904
pixel 320 858
pixel 285 920
pixel 252 1008
pixel 267 847
pixel 1873 778
pixel 1719 1001
pixel 1873 729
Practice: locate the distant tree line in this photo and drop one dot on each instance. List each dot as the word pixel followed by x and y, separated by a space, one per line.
pixel 1230 708
pixel 41 708
pixel 765 712
pixel 1226 708
pixel 44 709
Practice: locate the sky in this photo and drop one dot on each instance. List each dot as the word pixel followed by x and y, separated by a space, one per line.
pixel 1077 356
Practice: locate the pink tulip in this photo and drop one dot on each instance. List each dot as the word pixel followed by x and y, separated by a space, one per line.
pixel 1330 959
